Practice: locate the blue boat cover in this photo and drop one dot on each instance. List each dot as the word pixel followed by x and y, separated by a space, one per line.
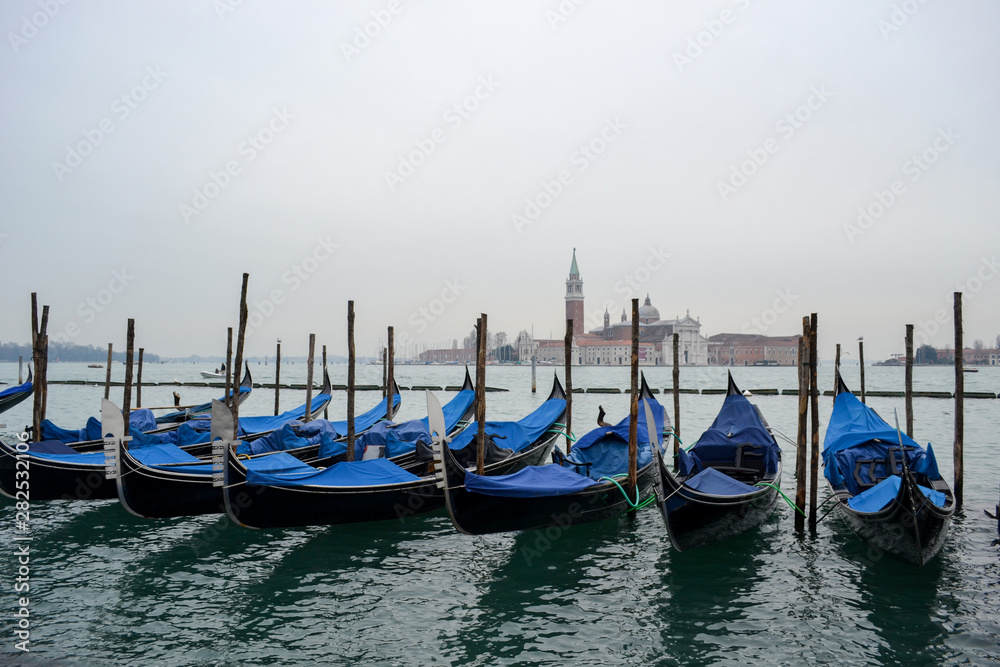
pixel 530 482
pixel 402 438
pixel 712 482
pixel 361 424
pixel 858 439
pixel 23 388
pixel 292 435
pixel 139 420
pixel 515 435
pixel 603 452
pixel 885 492
pixel 738 426
pixel 346 474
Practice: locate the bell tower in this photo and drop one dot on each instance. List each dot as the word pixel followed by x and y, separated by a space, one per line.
pixel 574 298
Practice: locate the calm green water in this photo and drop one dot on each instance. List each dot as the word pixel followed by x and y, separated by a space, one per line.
pixel 108 588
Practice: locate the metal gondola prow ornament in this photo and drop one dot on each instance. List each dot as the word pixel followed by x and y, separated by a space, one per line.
pixel 222 427
pixel 114 436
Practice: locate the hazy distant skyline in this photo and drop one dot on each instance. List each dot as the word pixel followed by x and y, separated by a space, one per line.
pixel 747 162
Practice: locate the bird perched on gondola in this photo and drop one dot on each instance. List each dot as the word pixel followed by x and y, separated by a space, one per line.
pixel 600 417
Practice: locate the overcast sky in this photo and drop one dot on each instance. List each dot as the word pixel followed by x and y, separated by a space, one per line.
pixel 750 162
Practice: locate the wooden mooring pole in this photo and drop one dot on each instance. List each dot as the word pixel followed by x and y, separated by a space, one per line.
pixel 40 358
pixel 836 373
pixel 20 369
pixel 107 376
pixel 959 403
pixel 277 378
pixel 814 422
pixel 229 366
pixel 326 408
pixel 800 452
pixel 309 377
pixel 383 372
pixel 129 357
pixel 481 394
pixel 861 360
pixel 569 382
pixel 909 380
pixel 677 394
pixel 240 339
pixel 138 381
pixel 390 381
pixel 350 380
pixel 633 422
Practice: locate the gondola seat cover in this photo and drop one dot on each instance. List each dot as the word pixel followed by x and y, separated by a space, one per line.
pixel 292 435
pixel 531 482
pixel 856 433
pixel 883 493
pixel 737 429
pixel 361 424
pixel 603 452
pixel 139 420
pixel 712 482
pixel 402 438
pixel 516 435
pixel 346 474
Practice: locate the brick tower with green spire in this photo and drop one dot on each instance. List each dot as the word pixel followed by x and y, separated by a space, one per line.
pixel 574 298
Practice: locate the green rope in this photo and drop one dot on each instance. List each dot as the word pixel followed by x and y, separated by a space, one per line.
pixel 570 436
pixel 787 500
pixel 632 505
pixel 676 437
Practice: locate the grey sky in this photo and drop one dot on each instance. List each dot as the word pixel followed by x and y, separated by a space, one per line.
pixel 276 125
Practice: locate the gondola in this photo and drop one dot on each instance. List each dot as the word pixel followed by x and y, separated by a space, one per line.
pixel 90 437
pixel 14 395
pixel 887 487
pixel 589 485
pixel 727 483
pixel 59 471
pixel 376 489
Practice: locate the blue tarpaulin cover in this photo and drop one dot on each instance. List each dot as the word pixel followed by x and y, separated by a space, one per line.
pixel 606 448
pixel 346 474
pixel 23 388
pixel 738 423
pixel 712 482
pixel 139 420
pixel 885 492
pixel 531 482
pixel 361 424
pixel 515 435
pixel 292 435
pixel 402 438
pixel 857 434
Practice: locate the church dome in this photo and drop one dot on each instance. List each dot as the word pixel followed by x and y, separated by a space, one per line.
pixel 648 312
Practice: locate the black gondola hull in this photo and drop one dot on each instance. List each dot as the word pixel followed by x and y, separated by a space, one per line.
pixel 154 493
pixel 696 519
pixel 895 529
pixel 53 480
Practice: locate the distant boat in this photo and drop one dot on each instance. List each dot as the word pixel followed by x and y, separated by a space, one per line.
pixel 970 370
pixel 95 365
pixel 217 374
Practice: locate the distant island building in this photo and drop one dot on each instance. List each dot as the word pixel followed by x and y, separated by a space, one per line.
pixel 610 345
pixel 731 349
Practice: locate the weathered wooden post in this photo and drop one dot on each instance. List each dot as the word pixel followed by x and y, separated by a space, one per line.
pixel 229 366
pixel 326 408
pixel 534 387
pixel 277 378
pixel 677 393
pixel 40 358
pixel 959 403
pixel 800 452
pixel 861 360
pixel 350 381
pixel 836 373
pixel 138 381
pixel 390 382
pixel 481 393
pixel 909 380
pixel 569 382
pixel 20 369
pixel 309 377
pixel 814 422
pixel 107 376
pixel 633 423
pixel 383 372
pixel 129 356
pixel 240 339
